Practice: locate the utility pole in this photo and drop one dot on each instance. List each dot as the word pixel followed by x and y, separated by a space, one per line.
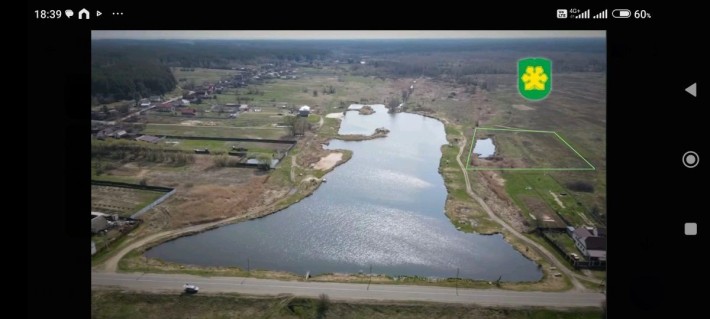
pixel 370 281
pixel 457 281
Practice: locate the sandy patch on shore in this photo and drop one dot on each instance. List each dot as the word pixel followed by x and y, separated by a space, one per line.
pixel 338 115
pixel 326 163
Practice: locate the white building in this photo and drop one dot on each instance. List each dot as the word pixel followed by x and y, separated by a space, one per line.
pixel 304 110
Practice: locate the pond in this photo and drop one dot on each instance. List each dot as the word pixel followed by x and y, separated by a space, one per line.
pixel 384 208
pixel 484 148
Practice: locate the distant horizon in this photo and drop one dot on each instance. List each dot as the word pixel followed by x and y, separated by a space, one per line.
pixel 288 35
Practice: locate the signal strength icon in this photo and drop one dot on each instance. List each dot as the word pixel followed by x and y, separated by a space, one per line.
pixel 583 15
pixel 601 15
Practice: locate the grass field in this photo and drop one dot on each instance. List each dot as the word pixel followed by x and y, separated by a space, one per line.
pixel 214 131
pixel 565 241
pixel 575 109
pixel 109 177
pixel 299 92
pixel 225 146
pixel 245 119
pixel 116 304
pixel 543 215
pixel 527 150
pixel 528 186
pixel 121 200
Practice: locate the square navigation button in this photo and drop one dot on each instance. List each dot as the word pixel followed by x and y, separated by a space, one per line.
pixel 691 229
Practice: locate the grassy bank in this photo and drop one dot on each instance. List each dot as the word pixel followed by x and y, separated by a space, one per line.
pixel 116 304
pixel 136 262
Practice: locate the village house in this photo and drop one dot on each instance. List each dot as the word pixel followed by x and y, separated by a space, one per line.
pixel 120 134
pixel 188 112
pixel 165 107
pixel 148 138
pixel 591 242
pixel 304 111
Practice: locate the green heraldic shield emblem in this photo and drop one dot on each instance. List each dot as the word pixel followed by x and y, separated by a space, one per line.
pixel 534 78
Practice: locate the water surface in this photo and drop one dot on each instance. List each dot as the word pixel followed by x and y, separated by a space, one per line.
pixel 484 148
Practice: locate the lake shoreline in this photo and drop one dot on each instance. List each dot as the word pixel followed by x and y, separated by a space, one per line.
pixel 170 267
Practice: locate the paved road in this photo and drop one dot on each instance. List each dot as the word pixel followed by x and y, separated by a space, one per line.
pixel 341 291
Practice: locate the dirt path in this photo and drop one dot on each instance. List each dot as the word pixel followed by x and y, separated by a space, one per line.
pixel 111 264
pixel 562 267
pixel 559 202
pixel 293 166
pixel 142 173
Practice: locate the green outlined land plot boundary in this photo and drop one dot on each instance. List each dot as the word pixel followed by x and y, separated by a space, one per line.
pixel 471 167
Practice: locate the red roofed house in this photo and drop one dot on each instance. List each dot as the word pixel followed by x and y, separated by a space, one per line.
pixel 188 112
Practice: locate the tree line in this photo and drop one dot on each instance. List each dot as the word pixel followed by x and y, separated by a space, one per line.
pixel 130 69
pixel 128 78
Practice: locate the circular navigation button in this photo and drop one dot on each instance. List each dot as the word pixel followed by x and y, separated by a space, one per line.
pixel 691 159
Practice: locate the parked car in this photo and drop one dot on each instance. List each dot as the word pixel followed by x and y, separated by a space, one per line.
pixel 190 288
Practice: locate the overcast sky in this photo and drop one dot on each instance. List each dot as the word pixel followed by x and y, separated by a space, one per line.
pixel 342 35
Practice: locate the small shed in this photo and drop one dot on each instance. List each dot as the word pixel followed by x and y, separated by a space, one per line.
pixel 148 138
pixel 188 112
pixel 304 111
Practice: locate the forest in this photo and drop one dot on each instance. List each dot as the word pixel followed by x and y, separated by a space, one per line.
pixel 134 69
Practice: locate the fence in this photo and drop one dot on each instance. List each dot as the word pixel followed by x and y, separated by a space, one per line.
pixel 134 186
pixel 153 204
pixel 588 264
pixel 170 192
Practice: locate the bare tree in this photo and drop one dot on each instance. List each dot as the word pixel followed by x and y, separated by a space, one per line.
pixel 392 105
pixel 264 162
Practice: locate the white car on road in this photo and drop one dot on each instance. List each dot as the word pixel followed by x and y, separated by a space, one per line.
pixel 190 288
